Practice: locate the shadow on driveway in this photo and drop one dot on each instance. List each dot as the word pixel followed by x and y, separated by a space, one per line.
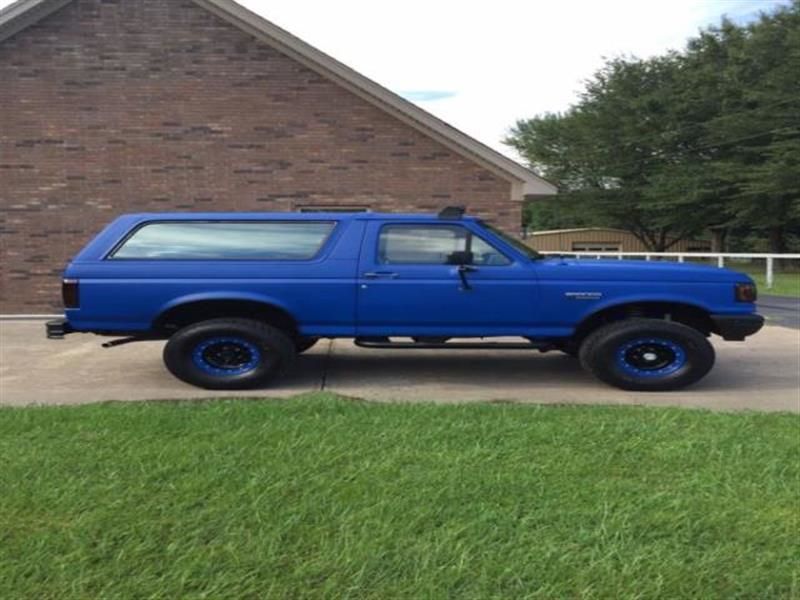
pixel 760 374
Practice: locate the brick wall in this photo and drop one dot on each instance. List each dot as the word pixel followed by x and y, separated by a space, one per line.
pixel 114 106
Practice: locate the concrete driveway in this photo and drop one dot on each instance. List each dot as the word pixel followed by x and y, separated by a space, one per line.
pixel 780 310
pixel 760 374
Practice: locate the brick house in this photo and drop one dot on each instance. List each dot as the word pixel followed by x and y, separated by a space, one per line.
pixel 114 106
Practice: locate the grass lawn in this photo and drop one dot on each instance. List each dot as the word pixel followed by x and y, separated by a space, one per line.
pixel 323 497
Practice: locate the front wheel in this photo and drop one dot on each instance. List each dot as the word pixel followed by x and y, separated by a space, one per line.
pixel 228 354
pixel 647 355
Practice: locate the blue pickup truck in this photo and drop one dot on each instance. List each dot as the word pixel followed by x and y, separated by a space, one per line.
pixel 238 295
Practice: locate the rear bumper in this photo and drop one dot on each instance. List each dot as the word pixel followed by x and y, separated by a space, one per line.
pixel 736 327
pixel 57 329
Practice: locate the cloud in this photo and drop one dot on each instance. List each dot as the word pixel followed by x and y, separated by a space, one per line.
pixel 426 95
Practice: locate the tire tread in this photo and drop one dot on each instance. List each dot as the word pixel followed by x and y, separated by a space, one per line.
pixel 263 333
pixel 589 359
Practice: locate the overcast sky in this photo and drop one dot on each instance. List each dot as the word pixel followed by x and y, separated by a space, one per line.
pixel 481 65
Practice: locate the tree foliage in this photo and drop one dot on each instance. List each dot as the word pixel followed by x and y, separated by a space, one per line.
pixel 670 146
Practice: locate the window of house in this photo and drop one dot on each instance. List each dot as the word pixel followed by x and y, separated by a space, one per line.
pixel 596 247
pixel 226 240
pixel 434 245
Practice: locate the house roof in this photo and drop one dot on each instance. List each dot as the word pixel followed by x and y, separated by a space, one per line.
pixel 595 229
pixel 577 230
pixel 24 13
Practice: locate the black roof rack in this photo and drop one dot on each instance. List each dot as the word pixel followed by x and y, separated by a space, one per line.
pixel 452 212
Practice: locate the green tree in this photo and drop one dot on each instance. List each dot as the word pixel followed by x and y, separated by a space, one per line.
pixel 754 139
pixel 670 146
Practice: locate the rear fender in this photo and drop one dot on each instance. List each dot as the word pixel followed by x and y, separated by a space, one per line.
pixel 267 302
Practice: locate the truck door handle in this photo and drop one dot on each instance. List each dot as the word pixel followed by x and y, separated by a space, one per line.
pixel 462 274
pixel 380 275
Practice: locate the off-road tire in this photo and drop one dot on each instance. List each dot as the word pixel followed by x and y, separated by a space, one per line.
pixel 266 351
pixel 615 353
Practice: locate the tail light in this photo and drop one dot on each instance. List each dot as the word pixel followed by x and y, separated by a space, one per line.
pixel 746 292
pixel 69 293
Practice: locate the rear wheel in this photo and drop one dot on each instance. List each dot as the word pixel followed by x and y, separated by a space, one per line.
pixel 647 355
pixel 228 354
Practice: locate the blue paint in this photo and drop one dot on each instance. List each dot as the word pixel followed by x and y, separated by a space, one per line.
pixel 328 295
pixel 250 352
pixel 666 356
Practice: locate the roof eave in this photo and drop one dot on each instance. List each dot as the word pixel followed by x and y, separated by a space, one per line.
pixel 24 13
pixel 524 179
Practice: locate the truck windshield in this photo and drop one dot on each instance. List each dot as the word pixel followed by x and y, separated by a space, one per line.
pixel 522 247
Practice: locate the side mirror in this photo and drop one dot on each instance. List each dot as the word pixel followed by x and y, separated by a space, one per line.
pixel 460 257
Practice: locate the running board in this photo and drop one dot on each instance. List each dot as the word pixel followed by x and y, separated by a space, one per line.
pixel 541 346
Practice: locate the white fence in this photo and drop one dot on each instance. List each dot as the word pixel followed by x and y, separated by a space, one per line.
pixel 769 259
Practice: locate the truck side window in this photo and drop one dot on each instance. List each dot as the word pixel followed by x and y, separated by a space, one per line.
pixel 433 245
pixel 225 240
pixel 485 255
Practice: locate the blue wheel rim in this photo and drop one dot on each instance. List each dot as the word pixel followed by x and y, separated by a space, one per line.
pixel 226 356
pixel 650 357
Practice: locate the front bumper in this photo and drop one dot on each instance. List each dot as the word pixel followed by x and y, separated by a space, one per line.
pixel 736 327
pixel 56 330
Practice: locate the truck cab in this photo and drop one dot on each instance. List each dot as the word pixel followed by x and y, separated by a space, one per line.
pixel 237 296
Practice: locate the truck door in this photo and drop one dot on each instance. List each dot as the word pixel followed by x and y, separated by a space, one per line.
pixel 409 282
